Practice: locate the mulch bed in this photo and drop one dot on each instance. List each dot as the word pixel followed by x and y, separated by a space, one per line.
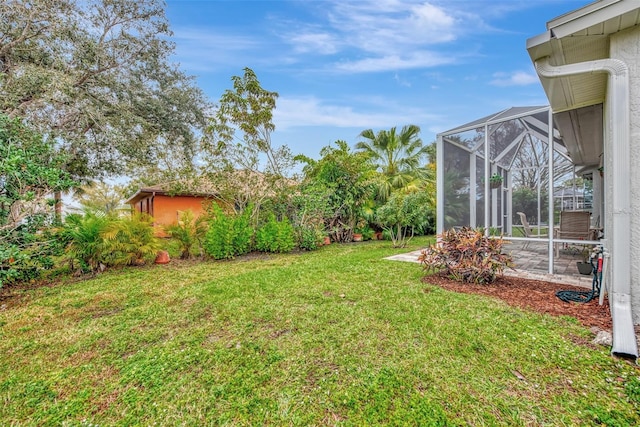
pixel 534 295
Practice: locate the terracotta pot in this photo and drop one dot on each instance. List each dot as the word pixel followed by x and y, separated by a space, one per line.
pixel 378 235
pixel 162 258
pixel 357 237
pixel 327 240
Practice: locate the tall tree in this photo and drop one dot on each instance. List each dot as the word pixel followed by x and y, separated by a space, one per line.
pixel 242 162
pixel 103 197
pixel 96 77
pixel 398 156
pixel 240 132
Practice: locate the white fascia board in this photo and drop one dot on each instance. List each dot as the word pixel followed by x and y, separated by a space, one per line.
pixel 590 15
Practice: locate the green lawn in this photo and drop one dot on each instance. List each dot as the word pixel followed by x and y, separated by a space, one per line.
pixel 334 337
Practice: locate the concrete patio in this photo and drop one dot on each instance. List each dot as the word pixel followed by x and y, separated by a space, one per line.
pixel 532 262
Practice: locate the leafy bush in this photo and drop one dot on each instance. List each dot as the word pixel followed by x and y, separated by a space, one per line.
pixel 366 231
pixel 467 256
pixel 243 231
pixel 85 244
pixel 28 251
pixel 342 182
pixel 189 232
pixel 218 241
pixel 309 238
pixel 228 236
pixel 31 169
pixel 130 241
pixel 275 236
pixel 403 214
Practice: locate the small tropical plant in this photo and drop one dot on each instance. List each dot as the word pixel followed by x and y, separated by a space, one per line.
pixel 130 241
pixel 189 232
pixel 467 256
pixel 403 214
pixel 366 231
pixel 85 250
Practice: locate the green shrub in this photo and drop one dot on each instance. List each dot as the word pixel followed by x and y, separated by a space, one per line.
pixel 228 236
pixel 85 249
pixel 404 214
pixel 130 241
pixel 366 231
pixel 29 250
pixel 189 232
pixel 467 256
pixel 243 231
pixel 218 242
pixel 309 238
pixel 275 236
pixel 173 247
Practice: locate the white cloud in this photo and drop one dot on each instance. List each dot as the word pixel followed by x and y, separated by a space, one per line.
pixel 517 78
pixel 395 62
pixel 309 111
pixel 204 50
pixel 383 35
pixel 316 42
pixel 401 81
pixel 376 26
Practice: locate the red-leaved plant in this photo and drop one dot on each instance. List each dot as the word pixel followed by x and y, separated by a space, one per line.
pixel 467 256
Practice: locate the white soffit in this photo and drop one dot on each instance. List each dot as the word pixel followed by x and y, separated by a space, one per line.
pixel 579 36
pixel 581 131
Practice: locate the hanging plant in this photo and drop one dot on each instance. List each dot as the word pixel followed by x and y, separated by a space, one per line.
pixel 495 181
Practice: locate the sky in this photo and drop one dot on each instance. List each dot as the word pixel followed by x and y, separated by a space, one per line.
pixel 343 66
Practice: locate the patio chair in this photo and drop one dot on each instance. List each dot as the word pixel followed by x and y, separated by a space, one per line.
pixel 527 229
pixel 575 225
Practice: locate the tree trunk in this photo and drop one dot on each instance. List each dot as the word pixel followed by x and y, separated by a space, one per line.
pixel 58 207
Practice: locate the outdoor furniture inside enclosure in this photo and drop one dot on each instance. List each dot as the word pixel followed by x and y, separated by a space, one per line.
pixel 493 170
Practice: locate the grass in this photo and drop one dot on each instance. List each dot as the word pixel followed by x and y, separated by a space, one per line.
pixel 334 337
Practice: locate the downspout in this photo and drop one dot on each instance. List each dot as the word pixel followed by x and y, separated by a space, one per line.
pixel 624 338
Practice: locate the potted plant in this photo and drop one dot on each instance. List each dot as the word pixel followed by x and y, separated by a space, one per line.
pixel 584 266
pixel 495 181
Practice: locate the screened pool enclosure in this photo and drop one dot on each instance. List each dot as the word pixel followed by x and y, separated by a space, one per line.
pixel 513 175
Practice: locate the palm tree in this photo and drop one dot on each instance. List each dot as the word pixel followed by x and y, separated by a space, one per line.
pixel 397 156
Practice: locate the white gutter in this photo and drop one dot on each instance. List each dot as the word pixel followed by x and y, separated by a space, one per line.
pixel 624 338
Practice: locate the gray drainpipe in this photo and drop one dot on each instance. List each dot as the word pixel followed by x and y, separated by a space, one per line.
pixel 624 338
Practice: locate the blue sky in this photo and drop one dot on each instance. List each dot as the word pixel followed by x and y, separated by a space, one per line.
pixel 344 66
